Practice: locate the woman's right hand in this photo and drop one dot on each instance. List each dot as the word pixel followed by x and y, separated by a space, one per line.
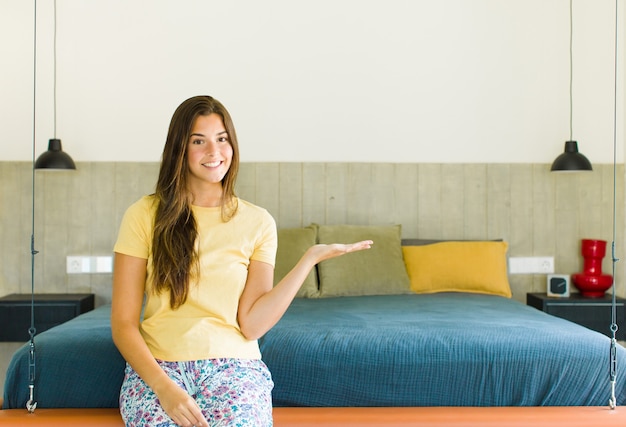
pixel 181 407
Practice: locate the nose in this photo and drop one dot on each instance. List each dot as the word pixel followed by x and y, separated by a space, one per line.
pixel 211 148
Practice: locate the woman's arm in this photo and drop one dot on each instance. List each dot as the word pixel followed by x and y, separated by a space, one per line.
pixel 129 275
pixel 262 305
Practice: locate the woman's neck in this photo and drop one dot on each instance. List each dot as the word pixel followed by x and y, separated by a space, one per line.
pixel 207 197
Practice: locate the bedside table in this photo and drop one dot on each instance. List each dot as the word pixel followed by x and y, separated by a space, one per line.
pixel 593 313
pixel 50 310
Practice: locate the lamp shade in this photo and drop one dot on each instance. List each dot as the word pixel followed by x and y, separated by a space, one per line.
pixel 55 157
pixel 571 160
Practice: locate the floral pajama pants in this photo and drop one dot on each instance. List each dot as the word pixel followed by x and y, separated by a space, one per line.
pixel 230 392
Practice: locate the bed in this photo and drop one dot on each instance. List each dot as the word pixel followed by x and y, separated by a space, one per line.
pixel 405 324
pixel 445 349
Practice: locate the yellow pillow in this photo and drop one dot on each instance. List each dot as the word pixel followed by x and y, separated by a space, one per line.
pixel 458 266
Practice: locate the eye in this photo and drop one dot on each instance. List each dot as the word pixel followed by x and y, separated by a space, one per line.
pixel 197 141
pixel 222 139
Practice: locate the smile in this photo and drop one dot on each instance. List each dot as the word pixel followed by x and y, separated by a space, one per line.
pixel 212 164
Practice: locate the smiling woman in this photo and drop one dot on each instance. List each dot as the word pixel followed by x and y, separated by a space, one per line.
pixel 193 284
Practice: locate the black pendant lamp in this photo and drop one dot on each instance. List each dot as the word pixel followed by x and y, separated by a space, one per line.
pixel 55 157
pixel 571 160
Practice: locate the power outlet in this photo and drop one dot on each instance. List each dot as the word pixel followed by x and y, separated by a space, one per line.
pixel 89 264
pixel 78 264
pixel 531 265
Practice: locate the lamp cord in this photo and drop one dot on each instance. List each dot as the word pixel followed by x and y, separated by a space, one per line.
pixel 614 327
pixel 571 70
pixel 54 59
pixel 31 404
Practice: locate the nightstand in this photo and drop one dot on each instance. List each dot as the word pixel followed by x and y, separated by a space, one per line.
pixel 593 313
pixel 50 310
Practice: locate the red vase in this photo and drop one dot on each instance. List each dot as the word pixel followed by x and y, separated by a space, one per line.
pixel 591 282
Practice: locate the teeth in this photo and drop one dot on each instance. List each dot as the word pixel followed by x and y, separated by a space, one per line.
pixel 212 164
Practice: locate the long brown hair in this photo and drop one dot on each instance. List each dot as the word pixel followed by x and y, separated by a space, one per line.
pixel 175 259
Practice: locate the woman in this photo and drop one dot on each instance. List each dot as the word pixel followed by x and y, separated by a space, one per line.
pixel 203 260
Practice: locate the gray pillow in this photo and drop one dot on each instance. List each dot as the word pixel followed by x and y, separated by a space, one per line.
pixel 376 271
pixel 292 243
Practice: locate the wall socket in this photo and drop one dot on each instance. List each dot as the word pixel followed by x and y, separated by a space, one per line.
pixel 89 264
pixel 531 265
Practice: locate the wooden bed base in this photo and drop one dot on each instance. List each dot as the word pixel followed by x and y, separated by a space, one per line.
pixel 335 417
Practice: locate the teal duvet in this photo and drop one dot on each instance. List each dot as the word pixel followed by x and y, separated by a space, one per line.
pixel 436 350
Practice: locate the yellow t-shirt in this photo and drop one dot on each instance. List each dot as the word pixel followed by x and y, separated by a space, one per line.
pixel 205 326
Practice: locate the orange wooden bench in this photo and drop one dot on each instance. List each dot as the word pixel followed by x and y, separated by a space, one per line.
pixel 367 417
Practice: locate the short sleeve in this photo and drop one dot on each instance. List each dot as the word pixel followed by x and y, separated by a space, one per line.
pixel 267 241
pixel 135 233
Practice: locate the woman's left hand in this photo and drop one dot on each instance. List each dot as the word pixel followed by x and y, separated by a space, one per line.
pixel 321 252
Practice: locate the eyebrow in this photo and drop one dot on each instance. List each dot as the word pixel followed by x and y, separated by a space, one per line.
pixel 202 135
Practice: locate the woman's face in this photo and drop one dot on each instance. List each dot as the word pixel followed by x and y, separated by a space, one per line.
pixel 209 153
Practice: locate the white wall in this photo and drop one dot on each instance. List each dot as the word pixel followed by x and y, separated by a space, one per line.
pixel 330 80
